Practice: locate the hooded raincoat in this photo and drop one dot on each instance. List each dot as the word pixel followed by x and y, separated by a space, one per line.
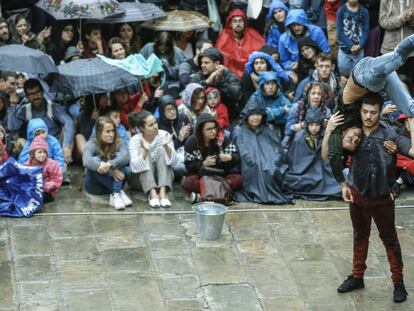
pixel 236 52
pixel 275 30
pixel 186 108
pixel 288 45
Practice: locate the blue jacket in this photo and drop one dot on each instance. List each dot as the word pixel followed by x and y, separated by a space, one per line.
pixel 288 46
pixel 275 105
pixel 55 149
pixel 274 66
pixel 273 36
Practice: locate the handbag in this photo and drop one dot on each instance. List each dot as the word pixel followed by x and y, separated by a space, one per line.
pixel 215 189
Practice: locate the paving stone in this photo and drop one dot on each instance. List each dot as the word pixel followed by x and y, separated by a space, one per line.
pixel 134 291
pixel 63 204
pixel 329 306
pixel 121 241
pixel 291 304
pixel 257 248
pixel 6 284
pixel 31 240
pixel 27 222
pixel 167 247
pixel 117 225
pixel 46 307
pixel 300 218
pixel 70 227
pixel 182 287
pixel 247 226
pixel 3 234
pixel 81 275
pixel 128 259
pixel 324 220
pixel 218 265
pixel 174 265
pixel 232 297
pixel 75 249
pixel 37 292
pixel 4 253
pixel 183 305
pixel 91 300
pixel 162 230
pixel 34 268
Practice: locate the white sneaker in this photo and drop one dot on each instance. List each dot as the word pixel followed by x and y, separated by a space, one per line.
pixel 127 201
pixel 165 202
pixel 154 203
pixel 115 200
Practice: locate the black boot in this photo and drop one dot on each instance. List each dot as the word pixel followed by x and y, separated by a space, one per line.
pixel 400 294
pixel 351 284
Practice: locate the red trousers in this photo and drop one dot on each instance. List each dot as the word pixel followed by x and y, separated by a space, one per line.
pixel 192 182
pixel 382 210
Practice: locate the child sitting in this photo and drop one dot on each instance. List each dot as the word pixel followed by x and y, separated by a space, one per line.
pixel 217 108
pixel 52 174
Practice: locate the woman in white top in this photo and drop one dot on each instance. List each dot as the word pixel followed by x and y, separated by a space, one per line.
pixel 152 157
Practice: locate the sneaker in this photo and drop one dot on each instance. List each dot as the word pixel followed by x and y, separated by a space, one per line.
pixel 127 201
pixel 115 200
pixel 154 203
pixel 194 197
pixel 400 294
pixel 351 284
pixel 165 202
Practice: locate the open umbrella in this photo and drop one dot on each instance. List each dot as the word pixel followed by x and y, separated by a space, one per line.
pixel 15 57
pixel 179 20
pixel 90 76
pixel 134 12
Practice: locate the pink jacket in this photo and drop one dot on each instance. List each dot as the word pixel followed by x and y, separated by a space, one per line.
pixel 52 174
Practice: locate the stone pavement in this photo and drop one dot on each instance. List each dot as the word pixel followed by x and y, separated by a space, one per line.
pixel 102 259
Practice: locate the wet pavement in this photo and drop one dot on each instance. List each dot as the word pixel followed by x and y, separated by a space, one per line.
pixel 282 258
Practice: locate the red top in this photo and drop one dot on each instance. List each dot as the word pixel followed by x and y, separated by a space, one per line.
pixel 331 7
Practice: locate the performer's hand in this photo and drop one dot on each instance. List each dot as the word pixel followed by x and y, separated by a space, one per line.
pixel 335 120
pixel 391 147
pixel 346 193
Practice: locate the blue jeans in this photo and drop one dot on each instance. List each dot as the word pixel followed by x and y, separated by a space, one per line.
pixel 346 61
pixel 96 183
pixel 379 73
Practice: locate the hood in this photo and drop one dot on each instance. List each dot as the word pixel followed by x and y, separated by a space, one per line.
pixel 267 76
pixel 276 4
pixel 234 13
pixel 72 52
pixel 212 53
pixel 35 125
pixel 211 89
pixel 253 109
pixel 269 49
pixel 297 16
pixel 307 41
pixel 12 25
pixel 203 118
pixel 314 115
pixel 188 93
pixel 39 143
pixel 162 103
pixel 3 20
pixel 249 65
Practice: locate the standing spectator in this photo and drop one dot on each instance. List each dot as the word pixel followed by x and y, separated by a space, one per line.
pixel 373 44
pixel 352 25
pixel 105 158
pixel 237 41
pixel 331 9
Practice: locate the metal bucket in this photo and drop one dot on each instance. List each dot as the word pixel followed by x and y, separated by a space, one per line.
pixel 209 220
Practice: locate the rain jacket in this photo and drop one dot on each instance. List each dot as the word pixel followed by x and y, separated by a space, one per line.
pixel 261 161
pixel 3 152
pixel 275 30
pixel 52 174
pixel 55 149
pixel 220 111
pixel 275 105
pixel 309 176
pixel 186 108
pixel 236 53
pixel 391 20
pixel 288 46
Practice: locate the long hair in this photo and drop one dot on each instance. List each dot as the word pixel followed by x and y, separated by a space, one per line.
pixel 115 40
pixel 135 42
pixel 105 151
pixel 211 148
pixel 165 38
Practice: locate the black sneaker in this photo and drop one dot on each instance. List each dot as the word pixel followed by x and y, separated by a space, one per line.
pixel 351 284
pixel 396 189
pixel 400 294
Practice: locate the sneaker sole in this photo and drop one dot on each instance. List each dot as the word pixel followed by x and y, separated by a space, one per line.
pixel 343 292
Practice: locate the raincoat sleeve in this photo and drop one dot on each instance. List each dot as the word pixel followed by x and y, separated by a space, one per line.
pixel 291 120
pixel 53 177
pixel 278 112
pixel 56 151
pixel 230 86
pixel 320 38
pixel 285 55
pixel 122 156
pixel 67 122
pixel 273 37
pixel 138 164
pixel 16 117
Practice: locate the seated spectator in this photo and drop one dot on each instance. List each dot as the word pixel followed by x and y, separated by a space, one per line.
pixel 114 113
pixel 275 23
pixel 94 43
pixel 170 56
pixel 178 126
pixel 261 160
pixel 117 48
pixel 298 27
pixel 202 152
pixel 51 113
pixel 152 158
pixel 269 96
pixel 213 73
pixel 217 108
pixel 20 32
pixel 191 65
pixel 194 103
pixel 309 176
pixel 183 42
pixel 85 123
pixel 308 55
pixel 52 174
pixel 8 87
pixel 257 63
pixel 237 41
pixel 105 158
pixel 3 109
pixel 37 127
pixel 127 33
pixel 4 32
pixel 296 118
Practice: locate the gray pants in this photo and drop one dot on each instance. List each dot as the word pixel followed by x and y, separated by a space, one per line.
pixel 159 175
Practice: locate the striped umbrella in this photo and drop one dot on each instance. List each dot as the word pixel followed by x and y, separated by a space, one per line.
pixel 134 12
pixel 179 20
